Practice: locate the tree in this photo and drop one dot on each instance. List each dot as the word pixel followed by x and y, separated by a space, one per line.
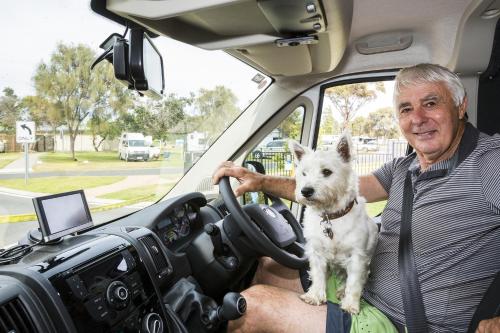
pixel 66 84
pixel 159 118
pixel 329 126
pixel 10 110
pixel 217 109
pixel 349 98
pixel 292 125
pixel 44 112
pixel 382 123
pixel 102 129
pixel 112 102
pixel 166 115
pixel 359 127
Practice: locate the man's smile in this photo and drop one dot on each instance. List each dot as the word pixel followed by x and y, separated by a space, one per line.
pixel 425 135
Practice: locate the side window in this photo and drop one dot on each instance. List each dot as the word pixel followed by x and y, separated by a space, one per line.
pixel 273 153
pixel 366 110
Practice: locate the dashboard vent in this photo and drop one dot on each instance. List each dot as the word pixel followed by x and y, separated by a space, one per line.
pixel 15 318
pixel 159 260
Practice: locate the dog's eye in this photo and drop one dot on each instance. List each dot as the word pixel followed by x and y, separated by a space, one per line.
pixel 303 173
pixel 326 172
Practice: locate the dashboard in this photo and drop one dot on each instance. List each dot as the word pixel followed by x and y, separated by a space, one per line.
pixel 152 271
pixel 177 226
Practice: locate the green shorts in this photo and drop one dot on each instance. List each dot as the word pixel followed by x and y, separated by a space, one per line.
pixel 368 320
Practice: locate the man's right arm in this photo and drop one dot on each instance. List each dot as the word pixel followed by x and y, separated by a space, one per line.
pixel 284 187
pixel 371 189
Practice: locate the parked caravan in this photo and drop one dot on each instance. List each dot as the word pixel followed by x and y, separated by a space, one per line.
pixel 133 146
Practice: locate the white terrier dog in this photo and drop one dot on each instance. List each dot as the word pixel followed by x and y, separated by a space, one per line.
pixel 340 237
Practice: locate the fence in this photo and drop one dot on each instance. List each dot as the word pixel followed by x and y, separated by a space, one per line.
pixel 281 163
pixel 276 163
pixel 43 142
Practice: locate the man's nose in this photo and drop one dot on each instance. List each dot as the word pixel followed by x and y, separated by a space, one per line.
pixel 307 192
pixel 418 116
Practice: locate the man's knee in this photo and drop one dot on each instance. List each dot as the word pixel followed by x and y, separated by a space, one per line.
pixel 274 309
pixel 258 299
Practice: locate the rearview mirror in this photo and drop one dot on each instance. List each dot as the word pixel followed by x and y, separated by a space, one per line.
pixel 137 63
pixel 145 63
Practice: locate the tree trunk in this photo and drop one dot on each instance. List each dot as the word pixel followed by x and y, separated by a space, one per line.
pixel 54 129
pixel 95 144
pixel 72 139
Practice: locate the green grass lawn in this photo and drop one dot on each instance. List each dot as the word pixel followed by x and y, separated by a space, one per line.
pixel 59 184
pixel 7 158
pixel 375 208
pixel 149 192
pixel 100 160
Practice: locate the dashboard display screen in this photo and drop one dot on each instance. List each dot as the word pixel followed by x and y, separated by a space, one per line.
pixel 62 214
pixel 107 269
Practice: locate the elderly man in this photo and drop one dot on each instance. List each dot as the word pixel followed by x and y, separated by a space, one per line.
pixel 452 183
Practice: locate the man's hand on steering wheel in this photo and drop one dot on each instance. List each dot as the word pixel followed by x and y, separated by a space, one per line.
pixel 266 231
pixel 249 181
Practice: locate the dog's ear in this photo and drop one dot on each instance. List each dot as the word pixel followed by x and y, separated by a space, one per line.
pixel 344 146
pixel 297 149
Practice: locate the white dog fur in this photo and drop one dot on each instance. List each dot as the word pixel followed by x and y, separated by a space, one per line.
pixel 331 177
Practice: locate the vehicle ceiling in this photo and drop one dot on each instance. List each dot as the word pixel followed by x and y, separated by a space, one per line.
pixel 448 32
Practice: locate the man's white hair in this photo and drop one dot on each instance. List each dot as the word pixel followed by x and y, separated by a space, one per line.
pixel 429 73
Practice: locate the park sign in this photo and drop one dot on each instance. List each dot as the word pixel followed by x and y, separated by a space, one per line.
pixel 25 131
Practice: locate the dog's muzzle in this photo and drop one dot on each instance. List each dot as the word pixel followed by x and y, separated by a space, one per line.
pixel 307 192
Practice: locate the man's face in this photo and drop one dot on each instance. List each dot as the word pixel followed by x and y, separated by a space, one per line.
pixel 429 119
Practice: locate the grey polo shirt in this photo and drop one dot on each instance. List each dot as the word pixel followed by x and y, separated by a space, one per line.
pixel 455 230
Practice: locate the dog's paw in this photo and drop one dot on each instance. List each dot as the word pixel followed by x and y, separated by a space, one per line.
pixel 350 305
pixel 314 298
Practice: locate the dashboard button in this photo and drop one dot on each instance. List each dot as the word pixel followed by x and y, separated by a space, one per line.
pixel 97 308
pixel 77 287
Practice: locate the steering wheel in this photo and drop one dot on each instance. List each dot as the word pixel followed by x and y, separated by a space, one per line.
pixel 275 232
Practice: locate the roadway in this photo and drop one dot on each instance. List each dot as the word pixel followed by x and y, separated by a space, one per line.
pixel 118 172
pixel 10 233
pixel 13 203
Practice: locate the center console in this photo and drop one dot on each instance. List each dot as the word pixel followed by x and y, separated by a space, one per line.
pixel 109 292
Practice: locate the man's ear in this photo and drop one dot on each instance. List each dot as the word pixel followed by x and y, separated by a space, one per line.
pixel 297 149
pixel 344 146
pixel 462 109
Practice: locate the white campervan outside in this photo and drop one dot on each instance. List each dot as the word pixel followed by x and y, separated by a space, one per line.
pixel 132 146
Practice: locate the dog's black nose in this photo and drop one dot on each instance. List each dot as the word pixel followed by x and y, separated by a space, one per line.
pixel 307 192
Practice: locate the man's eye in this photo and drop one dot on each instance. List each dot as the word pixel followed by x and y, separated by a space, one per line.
pixel 430 104
pixel 326 172
pixel 404 110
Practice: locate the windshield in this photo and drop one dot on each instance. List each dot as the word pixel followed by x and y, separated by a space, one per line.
pixel 136 143
pixel 64 127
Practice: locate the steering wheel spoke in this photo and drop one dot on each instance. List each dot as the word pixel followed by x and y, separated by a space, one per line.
pixel 276 232
pixel 296 248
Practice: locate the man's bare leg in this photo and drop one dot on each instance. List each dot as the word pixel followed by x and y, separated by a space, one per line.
pixel 270 273
pixel 273 303
pixel 272 309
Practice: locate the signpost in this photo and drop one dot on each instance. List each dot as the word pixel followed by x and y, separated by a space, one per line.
pixel 25 134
